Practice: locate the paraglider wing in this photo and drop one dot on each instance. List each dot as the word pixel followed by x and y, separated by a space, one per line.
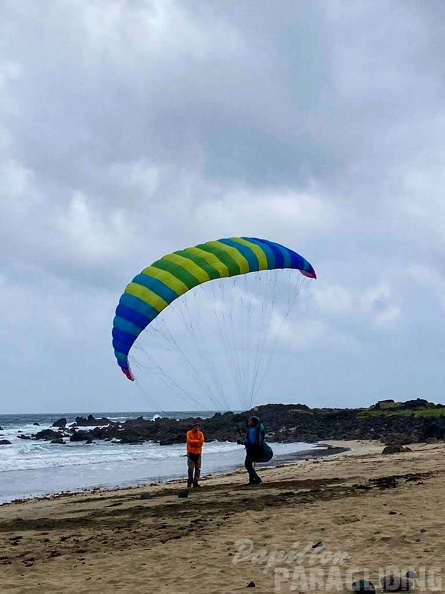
pixel 165 280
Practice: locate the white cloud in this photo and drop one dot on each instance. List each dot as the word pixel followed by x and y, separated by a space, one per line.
pixel 373 305
pixel 285 214
pixel 333 299
pixel 91 236
pixel 130 129
pixel 433 281
pixel 381 305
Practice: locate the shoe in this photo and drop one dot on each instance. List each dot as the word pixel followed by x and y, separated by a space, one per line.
pixel 189 485
pixel 197 486
pixel 255 482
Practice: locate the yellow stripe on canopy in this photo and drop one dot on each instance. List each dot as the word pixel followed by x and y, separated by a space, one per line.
pixel 233 253
pixel 210 259
pixel 146 295
pixel 259 253
pixel 167 278
pixel 188 265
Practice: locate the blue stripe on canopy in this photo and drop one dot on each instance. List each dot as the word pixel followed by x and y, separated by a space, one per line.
pixel 156 286
pixel 277 252
pixel 249 254
pixel 123 338
pixel 132 316
pixel 139 306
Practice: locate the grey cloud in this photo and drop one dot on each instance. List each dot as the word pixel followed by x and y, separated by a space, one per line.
pixel 130 129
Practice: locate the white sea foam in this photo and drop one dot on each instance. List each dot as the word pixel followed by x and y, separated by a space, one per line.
pixel 27 455
pixel 33 467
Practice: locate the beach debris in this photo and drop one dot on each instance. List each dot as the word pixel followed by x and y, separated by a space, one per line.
pixel 385 482
pixel 183 494
pixel 251 585
pixel 318 544
pixel 395 583
pixel 363 586
pixel 145 495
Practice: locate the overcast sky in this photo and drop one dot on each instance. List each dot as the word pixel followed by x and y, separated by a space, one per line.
pixel 129 129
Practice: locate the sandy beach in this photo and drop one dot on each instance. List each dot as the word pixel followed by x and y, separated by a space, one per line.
pixel 316 525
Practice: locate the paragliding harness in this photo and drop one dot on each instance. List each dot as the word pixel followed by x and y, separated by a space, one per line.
pixel 263 452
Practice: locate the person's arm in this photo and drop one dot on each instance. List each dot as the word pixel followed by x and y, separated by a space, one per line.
pixel 251 437
pixel 196 442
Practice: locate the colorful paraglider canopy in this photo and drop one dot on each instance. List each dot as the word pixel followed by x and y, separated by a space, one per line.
pixel 165 280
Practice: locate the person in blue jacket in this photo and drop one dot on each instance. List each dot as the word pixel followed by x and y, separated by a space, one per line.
pixel 253 440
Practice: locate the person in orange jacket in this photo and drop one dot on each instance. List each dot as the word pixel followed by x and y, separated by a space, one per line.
pixel 195 439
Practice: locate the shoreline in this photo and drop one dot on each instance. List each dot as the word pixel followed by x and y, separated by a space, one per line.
pixel 321 450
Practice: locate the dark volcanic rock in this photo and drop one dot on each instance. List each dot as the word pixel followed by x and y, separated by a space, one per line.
pixel 60 423
pixel 58 441
pixel 431 440
pixel 5 442
pixel 167 441
pixel 21 436
pixel 283 422
pixel 80 436
pixel 91 421
pixel 394 449
pixel 132 439
pixel 48 434
pixel 394 583
pixel 363 586
pixel 397 438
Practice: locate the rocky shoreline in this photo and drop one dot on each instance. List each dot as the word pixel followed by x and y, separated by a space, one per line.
pixel 414 421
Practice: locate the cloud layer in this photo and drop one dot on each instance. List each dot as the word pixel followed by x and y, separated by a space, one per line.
pixel 131 129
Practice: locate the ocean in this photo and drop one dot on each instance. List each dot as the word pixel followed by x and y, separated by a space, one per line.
pixel 30 468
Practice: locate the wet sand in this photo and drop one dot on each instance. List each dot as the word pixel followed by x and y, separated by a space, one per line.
pixel 363 510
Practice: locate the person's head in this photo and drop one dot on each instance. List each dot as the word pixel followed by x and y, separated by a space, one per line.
pixel 253 421
pixel 195 427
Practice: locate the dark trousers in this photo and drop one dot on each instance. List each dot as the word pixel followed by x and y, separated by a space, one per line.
pixel 194 469
pixel 248 463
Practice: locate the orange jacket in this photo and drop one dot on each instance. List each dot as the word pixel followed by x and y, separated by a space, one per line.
pixel 195 439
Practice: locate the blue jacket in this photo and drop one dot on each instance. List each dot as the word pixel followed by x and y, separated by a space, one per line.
pixel 251 436
pixel 255 435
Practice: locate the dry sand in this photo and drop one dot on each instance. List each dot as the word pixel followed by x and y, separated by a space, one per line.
pixel 376 510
